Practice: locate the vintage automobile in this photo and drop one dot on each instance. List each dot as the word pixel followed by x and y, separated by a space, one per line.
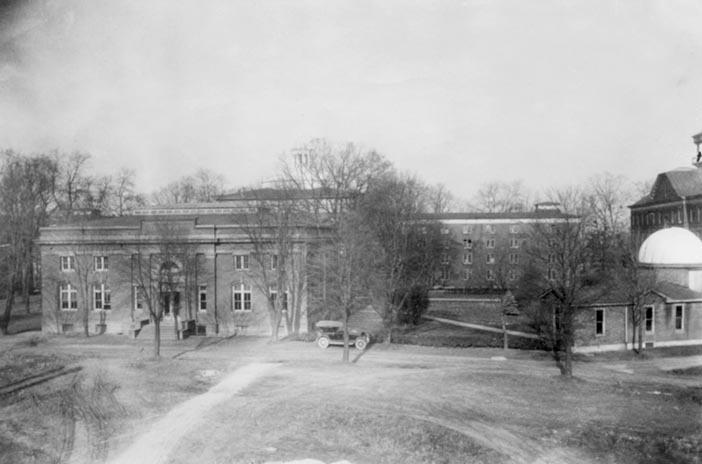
pixel 332 333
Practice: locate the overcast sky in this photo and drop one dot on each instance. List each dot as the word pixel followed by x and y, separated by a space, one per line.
pixel 461 93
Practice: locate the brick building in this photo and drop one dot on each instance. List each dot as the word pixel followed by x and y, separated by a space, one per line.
pixel 487 250
pixel 672 258
pixel 91 266
pixel 675 199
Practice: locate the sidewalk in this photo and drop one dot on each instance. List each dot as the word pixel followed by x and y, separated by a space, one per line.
pixel 482 327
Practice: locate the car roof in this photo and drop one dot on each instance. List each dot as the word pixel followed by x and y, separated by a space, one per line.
pixel 329 324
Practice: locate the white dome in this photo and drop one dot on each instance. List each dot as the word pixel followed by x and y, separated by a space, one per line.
pixel 673 245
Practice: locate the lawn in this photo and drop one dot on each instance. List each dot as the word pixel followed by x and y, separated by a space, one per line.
pixel 395 404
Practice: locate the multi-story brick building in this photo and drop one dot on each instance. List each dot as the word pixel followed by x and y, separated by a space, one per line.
pixel 674 200
pixel 488 250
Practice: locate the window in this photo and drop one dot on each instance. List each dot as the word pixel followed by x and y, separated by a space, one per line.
pixel 467 258
pixel 67 263
pixel 101 263
pixel 274 296
pixel 514 258
pixel 101 297
pixel 68 297
pixel 490 259
pixel 490 275
pixel 444 231
pixel 648 320
pixel 514 243
pixel 514 229
pixel 679 317
pixel 467 274
pixel 490 229
pixel 444 259
pixel 274 262
pixel 242 297
pixel 138 298
pixel 467 230
pixel 202 297
pixel 599 322
pixel 241 262
pixel 552 258
pixel 467 244
pixel 490 243
pixel 552 274
pixel 512 274
pixel 445 273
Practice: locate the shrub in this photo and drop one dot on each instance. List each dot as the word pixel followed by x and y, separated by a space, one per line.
pixel 415 302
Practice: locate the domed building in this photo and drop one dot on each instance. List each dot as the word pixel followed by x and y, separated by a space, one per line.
pixel 670 285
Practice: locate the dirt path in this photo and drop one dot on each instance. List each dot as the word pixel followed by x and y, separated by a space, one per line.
pixel 154 446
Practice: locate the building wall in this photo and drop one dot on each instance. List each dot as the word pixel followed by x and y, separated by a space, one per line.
pixel 485 238
pixel 618 327
pixel 215 270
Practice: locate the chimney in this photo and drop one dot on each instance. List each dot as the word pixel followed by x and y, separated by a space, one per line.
pixel 697 140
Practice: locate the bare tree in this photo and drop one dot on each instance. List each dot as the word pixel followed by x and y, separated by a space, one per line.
pixel 163 265
pixel 25 193
pixel 203 186
pixel 501 197
pixel 272 227
pixel 72 183
pixel 410 247
pixel 561 276
pixel 350 263
pixel 332 177
pixel 439 199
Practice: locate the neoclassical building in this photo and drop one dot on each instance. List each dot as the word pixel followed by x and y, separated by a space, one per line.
pixel 197 261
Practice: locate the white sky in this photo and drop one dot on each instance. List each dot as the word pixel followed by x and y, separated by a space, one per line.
pixel 461 93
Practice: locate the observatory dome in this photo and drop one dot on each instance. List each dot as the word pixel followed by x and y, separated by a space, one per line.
pixel 671 246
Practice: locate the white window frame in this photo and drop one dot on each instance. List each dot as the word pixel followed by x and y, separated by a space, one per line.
pixel 273 295
pixel 514 229
pixel 243 292
pixel 467 244
pixel 445 231
pixel 241 262
pixel 490 258
pixel 652 319
pixel 445 259
pixel 468 258
pixel 682 317
pixel 102 299
pixel 467 274
pixel 67 263
pixel 490 275
pixel 512 275
pixel 598 312
pixel 489 228
pixel 490 243
pixel 274 262
pixel 514 258
pixel 514 243
pixel 68 294
pixel 467 230
pixel 445 273
pixel 138 298
pixel 202 297
pixel 101 263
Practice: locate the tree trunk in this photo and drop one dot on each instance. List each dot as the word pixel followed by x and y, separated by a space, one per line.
pixel 157 337
pixel 505 342
pixel 26 289
pixel 345 356
pixel 568 366
pixel 5 321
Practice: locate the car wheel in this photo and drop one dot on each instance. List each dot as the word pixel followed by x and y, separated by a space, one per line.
pixel 323 342
pixel 361 344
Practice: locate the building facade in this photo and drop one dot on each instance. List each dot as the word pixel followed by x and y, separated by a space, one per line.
pixel 488 250
pixel 671 263
pixel 197 262
pixel 675 199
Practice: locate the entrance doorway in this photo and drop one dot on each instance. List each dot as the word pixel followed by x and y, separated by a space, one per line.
pixel 170 302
